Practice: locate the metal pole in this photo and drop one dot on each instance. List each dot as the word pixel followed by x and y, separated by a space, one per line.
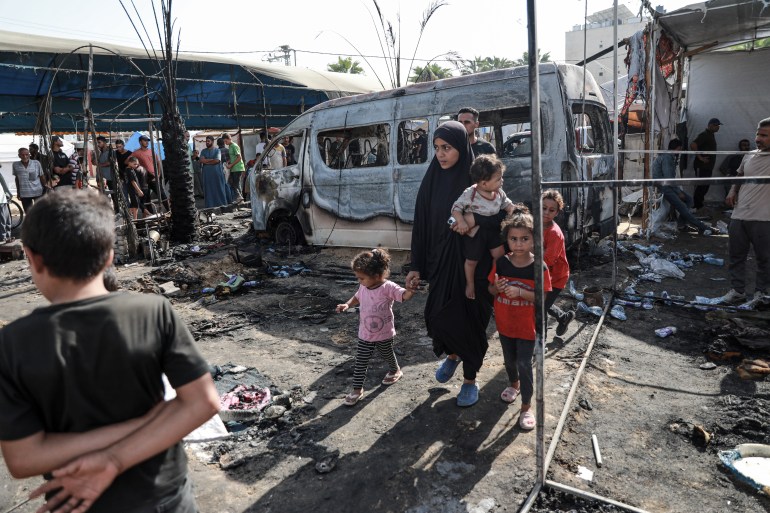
pixel 652 146
pixel 573 389
pixel 592 496
pixel 537 214
pixel 615 142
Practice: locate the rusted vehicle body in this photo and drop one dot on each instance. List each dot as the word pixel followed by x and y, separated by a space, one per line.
pixel 360 159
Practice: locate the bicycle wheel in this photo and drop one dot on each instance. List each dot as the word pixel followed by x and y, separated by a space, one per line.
pixel 17 214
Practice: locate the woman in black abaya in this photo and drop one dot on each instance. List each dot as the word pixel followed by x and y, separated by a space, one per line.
pixel 456 324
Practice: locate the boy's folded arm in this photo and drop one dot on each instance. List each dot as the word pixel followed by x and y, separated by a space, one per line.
pixel 43 452
pixel 86 478
pixel 194 404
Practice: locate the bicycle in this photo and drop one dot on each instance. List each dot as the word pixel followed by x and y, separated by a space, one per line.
pixel 15 211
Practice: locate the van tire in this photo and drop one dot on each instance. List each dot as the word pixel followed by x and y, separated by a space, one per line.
pixel 288 232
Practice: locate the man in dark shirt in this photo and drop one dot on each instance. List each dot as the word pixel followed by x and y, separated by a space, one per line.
pixel 469 117
pixel 62 169
pixel 731 163
pixel 704 163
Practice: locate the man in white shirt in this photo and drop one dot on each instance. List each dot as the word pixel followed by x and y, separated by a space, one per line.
pixel 30 179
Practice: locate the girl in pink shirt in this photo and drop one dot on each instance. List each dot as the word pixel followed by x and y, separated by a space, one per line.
pixel 376 329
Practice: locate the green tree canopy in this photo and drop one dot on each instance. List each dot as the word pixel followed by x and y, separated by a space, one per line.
pixel 546 57
pixel 429 73
pixel 346 65
pixel 480 64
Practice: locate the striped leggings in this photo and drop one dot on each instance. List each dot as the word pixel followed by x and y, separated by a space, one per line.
pixel 364 354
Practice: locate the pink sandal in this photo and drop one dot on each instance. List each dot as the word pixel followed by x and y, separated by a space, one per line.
pixel 392 377
pixel 509 395
pixel 527 421
pixel 353 397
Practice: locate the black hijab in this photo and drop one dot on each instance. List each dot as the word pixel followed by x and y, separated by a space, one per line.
pixel 439 189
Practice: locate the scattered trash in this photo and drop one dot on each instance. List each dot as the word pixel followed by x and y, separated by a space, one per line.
pixel 617 312
pixel 233 284
pixel 207 290
pixel 708 366
pixel 665 332
pixel 584 473
pixel 700 436
pixel 647 303
pixel 274 411
pixel 585 404
pixel 245 397
pixel 597 452
pixel 284 271
pixel 719 262
pixel 593 296
pixel 722 226
pixel 593 310
pixel 665 268
pixel 718 279
pixel 750 463
pixel 657 278
pixel 310 397
pixel 169 289
pixel 326 465
pixel 625 302
pixel 573 292
pixel 753 369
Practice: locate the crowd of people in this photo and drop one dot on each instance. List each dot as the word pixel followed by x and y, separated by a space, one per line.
pixel 108 441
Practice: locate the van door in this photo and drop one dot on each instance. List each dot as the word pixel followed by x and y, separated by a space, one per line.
pixel 413 146
pixel 595 161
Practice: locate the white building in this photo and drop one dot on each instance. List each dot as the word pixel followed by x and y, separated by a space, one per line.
pixel 599 36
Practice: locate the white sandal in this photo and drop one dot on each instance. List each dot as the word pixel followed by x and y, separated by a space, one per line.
pixel 527 421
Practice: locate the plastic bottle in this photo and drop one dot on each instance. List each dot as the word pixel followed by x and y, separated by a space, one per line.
pixel 208 290
pixel 594 310
pixel 714 261
pixel 664 332
pixel 618 312
pixel 252 283
pixel 625 302
pixel 665 296
pixel 647 303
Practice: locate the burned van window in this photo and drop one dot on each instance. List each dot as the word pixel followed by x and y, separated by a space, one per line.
pixel 591 128
pixel 363 146
pixel 412 146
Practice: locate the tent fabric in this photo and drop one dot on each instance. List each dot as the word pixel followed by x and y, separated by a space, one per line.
pixel 724 21
pixel 729 86
pixel 214 91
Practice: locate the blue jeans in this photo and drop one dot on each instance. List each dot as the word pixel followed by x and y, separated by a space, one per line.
pixel 685 217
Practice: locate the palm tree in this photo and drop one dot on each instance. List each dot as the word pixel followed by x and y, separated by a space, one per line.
pixel 346 65
pixel 546 57
pixel 429 73
pixel 177 163
pixel 478 64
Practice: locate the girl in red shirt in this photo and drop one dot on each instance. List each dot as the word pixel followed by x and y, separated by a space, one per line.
pixel 555 257
pixel 512 282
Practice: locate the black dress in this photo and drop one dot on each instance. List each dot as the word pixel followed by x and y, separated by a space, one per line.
pixel 456 324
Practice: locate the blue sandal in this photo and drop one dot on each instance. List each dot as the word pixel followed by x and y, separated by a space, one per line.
pixel 446 370
pixel 469 395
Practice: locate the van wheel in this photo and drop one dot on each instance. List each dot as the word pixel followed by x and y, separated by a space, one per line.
pixel 288 232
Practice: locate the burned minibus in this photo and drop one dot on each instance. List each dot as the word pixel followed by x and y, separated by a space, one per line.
pixel 360 159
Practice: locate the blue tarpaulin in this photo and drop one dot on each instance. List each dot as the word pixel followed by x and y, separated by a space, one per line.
pixel 213 91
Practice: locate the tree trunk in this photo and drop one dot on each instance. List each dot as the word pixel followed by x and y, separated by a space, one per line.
pixel 177 166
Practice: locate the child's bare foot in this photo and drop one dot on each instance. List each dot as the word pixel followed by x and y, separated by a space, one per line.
pixel 470 290
pixel 472 231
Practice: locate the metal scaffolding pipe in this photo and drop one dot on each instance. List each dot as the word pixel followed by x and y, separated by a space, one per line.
pixel 661 181
pixel 537 215
pixel 592 496
pixel 573 388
